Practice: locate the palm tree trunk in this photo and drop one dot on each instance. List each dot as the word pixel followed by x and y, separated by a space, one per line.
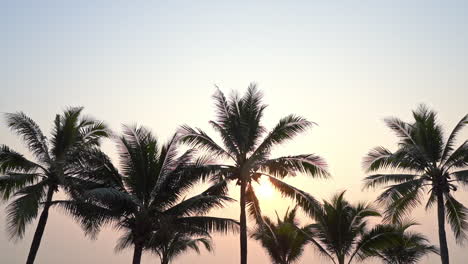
pixel 165 260
pixel 444 255
pixel 243 223
pixel 137 253
pixel 341 259
pixel 36 242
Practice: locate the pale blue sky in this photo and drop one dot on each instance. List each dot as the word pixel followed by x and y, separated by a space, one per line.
pixel 342 64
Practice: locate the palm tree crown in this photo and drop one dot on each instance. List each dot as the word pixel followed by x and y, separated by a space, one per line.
pixel 144 199
pixel 340 228
pixel 425 164
pixel 283 240
pixel 247 146
pixel 32 184
pixel 402 247
pixel 171 242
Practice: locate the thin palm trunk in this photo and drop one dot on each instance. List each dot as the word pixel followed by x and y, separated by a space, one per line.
pixel 444 255
pixel 243 223
pixel 137 253
pixel 36 242
pixel 341 259
pixel 165 260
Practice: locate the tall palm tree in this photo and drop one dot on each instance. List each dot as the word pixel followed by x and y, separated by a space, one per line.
pixel 404 247
pixel 340 229
pixel 425 164
pixel 32 184
pixel 247 148
pixel 144 198
pixel 283 240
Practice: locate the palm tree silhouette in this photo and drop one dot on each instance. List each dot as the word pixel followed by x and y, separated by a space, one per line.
pixel 238 123
pixel 144 199
pixel 402 246
pixel 170 242
pixel 427 164
pixel 341 229
pixel 33 183
pixel 283 240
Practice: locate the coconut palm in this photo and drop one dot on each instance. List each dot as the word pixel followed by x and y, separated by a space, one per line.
pixel 403 247
pixel 144 198
pixel 283 240
pixel 246 149
pixel 170 242
pixel 340 229
pixel 33 183
pixel 425 163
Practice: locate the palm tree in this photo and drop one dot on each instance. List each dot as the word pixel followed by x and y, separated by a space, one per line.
pixel 144 199
pixel 33 183
pixel 170 242
pixel 341 229
pixel 247 146
pixel 403 247
pixel 424 164
pixel 283 240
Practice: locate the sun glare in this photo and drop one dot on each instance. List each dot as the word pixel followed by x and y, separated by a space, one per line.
pixel 264 189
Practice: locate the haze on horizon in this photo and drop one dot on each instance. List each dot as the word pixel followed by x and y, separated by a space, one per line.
pixel 343 65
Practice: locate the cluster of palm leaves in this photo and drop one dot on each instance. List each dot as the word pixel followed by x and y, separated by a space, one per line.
pixel 145 195
pixel 341 233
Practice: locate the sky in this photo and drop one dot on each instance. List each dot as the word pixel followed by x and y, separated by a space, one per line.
pixel 342 64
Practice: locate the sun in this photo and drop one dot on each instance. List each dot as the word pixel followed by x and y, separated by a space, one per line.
pixel 264 189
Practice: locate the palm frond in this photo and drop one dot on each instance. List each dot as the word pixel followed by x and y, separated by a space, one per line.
pixel 452 138
pixel 25 208
pixel 91 131
pixel 461 177
pixel 139 155
pixel 457 216
pixel 125 241
pixel 210 224
pixel 196 138
pixel 218 188
pixel 406 158
pixel 90 216
pixel 253 205
pixel 227 138
pixel 431 200
pixel 198 205
pixel 287 128
pixel 95 166
pixel 377 180
pixel 31 134
pixel 427 133
pixel 458 158
pixel 13 182
pixel 12 161
pixel 251 113
pixel 400 199
pixel 308 164
pixel 65 132
pixel 304 200
pixel 111 198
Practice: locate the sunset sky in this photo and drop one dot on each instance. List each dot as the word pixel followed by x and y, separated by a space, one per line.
pixel 342 64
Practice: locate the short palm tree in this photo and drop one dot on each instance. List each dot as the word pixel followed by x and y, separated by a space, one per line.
pixel 247 146
pixel 170 242
pixel 425 163
pixel 284 240
pixel 340 229
pixel 145 198
pixel 33 183
pixel 403 247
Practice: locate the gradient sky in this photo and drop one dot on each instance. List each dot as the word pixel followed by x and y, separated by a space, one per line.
pixel 343 64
